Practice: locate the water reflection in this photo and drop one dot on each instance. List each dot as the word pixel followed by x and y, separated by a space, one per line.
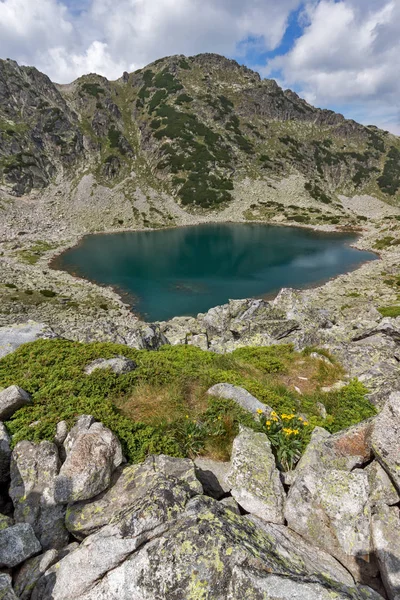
pixel 187 270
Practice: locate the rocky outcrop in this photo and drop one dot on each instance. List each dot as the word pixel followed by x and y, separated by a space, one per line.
pixel 254 478
pixel 386 539
pixel 385 438
pixel 34 468
pixel 12 399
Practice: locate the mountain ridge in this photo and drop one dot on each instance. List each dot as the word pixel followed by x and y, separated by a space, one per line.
pixel 190 128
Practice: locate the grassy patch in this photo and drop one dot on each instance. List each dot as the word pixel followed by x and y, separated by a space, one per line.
pixel 390 311
pixel 162 406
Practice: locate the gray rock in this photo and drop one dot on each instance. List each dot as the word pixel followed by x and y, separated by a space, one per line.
pixel 129 484
pixel 202 550
pixel 386 438
pixel 239 395
pixel 254 478
pixel 34 468
pixel 103 551
pixel 17 544
pixel 213 476
pixel 119 365
pixel 231 504
pixel 13 336
pixel 6 590
pixel 5 453
pixel 5 522
pixel 331 510
pixel 93 456
pixel 61 433
pixel 31 571
pixel 146 337
pixel 386 540
pixel 82 425
pixel 382 490
pixel 11 399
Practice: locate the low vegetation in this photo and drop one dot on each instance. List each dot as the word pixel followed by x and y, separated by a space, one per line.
pixel 162 406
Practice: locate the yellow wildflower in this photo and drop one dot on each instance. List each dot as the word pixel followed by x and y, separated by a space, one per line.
pixel 187 416
pixel 273 414
pixel 305 422
pixel 268 423
pixel 260 411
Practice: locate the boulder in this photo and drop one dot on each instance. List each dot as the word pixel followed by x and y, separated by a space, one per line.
pixel 331 510
pixel 213 476
pixel 5 453
pixel 31 571
pixel 146 337
pixel 382 490
pixel 92 456
pixel 145 519
pixel 129 484
pixel 11 399
pixel 119 365
pixel 386 438
pixel 239 395
pixel 61 433
pixel 82 425
pixel 5 522
pixel 201 550
pixel 17 544
pixel 34 468
pixel 352 444
pixel 13 336
pixel 6 590
pixel 231 504
pixel 386 540
pixel 254 478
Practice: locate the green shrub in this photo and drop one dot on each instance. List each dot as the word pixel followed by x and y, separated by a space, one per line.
pixel 53 372
pixel 48 293
pixel 389 181
pixel 93 89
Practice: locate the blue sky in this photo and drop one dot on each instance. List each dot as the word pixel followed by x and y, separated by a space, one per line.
pixel 338 54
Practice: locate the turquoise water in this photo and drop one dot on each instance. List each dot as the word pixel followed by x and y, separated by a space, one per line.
pixel 188 270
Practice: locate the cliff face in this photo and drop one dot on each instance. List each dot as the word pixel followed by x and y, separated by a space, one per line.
pixel 190 127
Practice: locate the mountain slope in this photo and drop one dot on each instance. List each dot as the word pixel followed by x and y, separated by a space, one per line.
pixel 190 128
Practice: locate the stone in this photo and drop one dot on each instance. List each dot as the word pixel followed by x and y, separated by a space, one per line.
pixel 239 395
pixel 200 550
pixel 353 444
pixel 386 541
pixel 119 365
pixel 386 438
pixel 231 504
pixel 6 590
pixel 31 571
pixel 93 456
pixel 5 521
pixel 17 544
pixel 5 453
pixel 34 468
pixel 213 476
pixel 145 519
pixel 382 490
pixel 12 399
pixel 146 337
pixel 128 485
pixel 330 509
pixel 254 478
pixel 61 433
pixel 13 336
pixel 82 425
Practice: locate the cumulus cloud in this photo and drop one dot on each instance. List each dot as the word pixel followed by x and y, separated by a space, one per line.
pixel 348 55
pixel 68 38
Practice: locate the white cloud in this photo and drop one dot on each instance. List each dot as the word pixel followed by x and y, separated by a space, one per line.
pixel 110 36
pixel 348 56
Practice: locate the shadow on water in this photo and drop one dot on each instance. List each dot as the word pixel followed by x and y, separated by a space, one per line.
pixel 187 270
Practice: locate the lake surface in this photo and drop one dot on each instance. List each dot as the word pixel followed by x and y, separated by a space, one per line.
pixel 187 270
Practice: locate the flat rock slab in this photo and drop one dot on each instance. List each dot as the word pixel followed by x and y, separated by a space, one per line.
pixel 119 365
pixel 255 480
pixel 386 539
pixel 15 335
pixel 12 399
pixel 17 544
pixel 239 395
